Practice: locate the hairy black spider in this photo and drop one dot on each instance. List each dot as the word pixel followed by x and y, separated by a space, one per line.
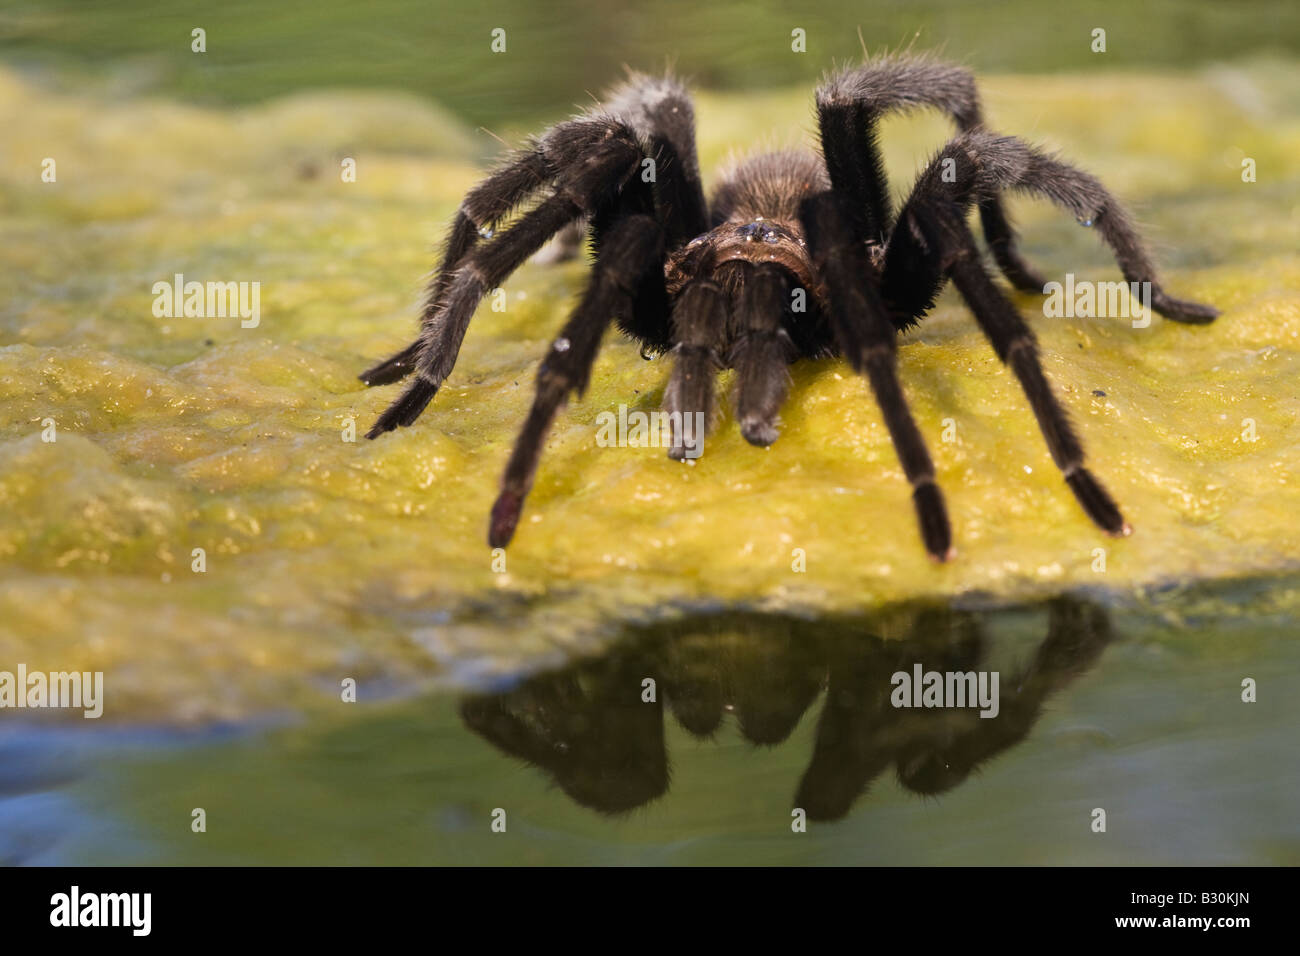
pixel 717 284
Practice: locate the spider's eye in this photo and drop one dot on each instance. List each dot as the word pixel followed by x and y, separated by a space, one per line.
pixel 758 230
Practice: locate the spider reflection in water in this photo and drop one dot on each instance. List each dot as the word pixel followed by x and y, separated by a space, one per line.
pixel 592 729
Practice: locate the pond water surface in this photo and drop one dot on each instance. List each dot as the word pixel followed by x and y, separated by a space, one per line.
pixel 695 743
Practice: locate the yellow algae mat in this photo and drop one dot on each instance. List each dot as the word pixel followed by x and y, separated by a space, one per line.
pixel 201 530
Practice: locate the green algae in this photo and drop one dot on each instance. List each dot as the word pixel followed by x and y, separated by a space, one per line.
pixel 327 558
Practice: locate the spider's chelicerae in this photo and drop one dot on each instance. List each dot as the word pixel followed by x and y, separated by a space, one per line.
pixel 717 284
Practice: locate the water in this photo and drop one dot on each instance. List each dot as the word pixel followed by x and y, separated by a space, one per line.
pixel 1134 709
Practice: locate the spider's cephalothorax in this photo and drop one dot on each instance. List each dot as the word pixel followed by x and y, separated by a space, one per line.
pixel 798 255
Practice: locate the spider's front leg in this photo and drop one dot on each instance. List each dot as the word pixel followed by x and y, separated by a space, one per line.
pixel 630 258
pixel 867 339
pixel 849 106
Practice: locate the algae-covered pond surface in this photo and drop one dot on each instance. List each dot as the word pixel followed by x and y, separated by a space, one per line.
pixel 182 510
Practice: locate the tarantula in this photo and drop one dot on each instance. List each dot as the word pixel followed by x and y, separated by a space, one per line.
pixel 796 256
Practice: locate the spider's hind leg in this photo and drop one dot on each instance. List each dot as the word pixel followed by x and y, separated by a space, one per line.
pixel 945 232
pixel 486 204
pixel 594 157
pixel 978 164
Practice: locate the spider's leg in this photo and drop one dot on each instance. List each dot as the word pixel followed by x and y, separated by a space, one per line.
pixel 849 105
pixel 699 322
pixel 866 337
pixel 564 246
pixel 978 164
pixel 604 156
pixel 486 204
pixel 482 270
pixel 1077 634
pixel 631 249
pixel 1001 237
pixel 945 231
pixel 761 353
pixel 856 732
pixel 659 109
pixel 571 724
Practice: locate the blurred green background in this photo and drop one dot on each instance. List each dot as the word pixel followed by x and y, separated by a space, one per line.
pixel 559 51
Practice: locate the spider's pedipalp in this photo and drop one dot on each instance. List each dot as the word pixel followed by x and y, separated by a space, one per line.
pixel 762 352
pixel 631 252
pixel 699 321
pixel 867 339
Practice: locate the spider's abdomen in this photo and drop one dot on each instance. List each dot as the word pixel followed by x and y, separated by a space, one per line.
pixel 768 186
